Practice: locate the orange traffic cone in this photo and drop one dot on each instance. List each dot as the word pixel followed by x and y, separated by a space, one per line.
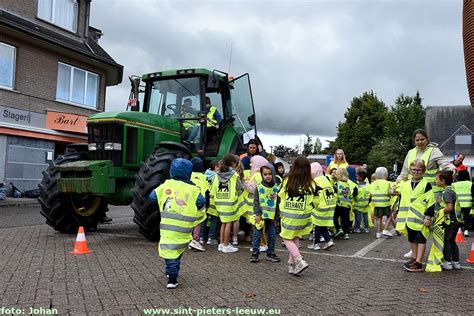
pixel 460 237
pixel 471 254
pixel 80 246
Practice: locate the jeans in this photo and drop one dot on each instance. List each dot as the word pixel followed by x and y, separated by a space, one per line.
pixel 271 232
pixel 194 134
pixel 343 213
pixel 451 250
pixel 212 227
pixel 172 267
pixel 320 231
pixel 359 216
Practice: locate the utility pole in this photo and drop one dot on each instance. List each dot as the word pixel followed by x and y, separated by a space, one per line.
pixel 271 149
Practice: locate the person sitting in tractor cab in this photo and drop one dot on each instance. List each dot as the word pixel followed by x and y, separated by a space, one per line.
pixel 213 120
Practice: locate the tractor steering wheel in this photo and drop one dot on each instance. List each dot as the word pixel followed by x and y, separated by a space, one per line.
pixel 173 107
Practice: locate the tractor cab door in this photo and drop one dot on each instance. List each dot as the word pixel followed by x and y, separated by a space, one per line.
pixel 242 106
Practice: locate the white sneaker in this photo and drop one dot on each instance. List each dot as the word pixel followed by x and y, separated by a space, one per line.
pixel 366 231
pixel 235 241
pixel 466 233
pixel 263 248
pixel 456 265
pixel 300 266
pixel 291 268
pixel 408 255
pixel 219 247
pixel 328 245
pixel 229 249
pixel 311 236
pixel 447 266
pixel 378 235
pixel 317 247
pixel 311 246
pixel 212 241
pixel 172 285
pixel 196 245
pixel 201 240
pixel 321 239
pixel 241 233
pixel 386 233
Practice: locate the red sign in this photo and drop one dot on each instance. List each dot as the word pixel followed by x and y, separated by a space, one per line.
pixel 66 122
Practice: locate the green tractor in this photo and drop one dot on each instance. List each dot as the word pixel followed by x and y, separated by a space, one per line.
pixel 129 153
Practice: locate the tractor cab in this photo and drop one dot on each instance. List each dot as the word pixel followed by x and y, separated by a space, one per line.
pixel 205 103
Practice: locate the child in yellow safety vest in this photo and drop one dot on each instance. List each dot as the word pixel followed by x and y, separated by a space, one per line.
pixel 209 226
pixel 296 204
pixel 181 208
pixel 381 192
pixel 343 207
pixel 361 201
pixel 265 209
pixel 464 188
pixel 199 180
pixel 452 211
pixel 224 194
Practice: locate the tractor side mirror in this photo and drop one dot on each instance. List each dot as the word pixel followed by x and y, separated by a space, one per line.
pixel 133 102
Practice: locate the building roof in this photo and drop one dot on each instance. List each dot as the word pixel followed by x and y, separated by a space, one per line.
pixel 88 47
pixel 443 123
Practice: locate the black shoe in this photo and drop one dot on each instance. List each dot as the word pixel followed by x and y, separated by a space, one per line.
pixel 414 267
pixel 172 283
pixel 105 220
pixel 254 257
pixel 273 257
pixel 339 233
pixel 409 262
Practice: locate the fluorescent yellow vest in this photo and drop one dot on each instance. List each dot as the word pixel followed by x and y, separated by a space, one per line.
pixel 463 191
pixel 361 201
pixel 379 190
pixel 246 204
pixel 211 120
pixel 267 199
pixel 325 203
pixel 435 258
pixel 419 203
pixel 225 198
pixel 189 123
pixel 179 215
pixel 430 174
pixel 344 195
pixel 295 212
pixel 457 207
pixel 199 179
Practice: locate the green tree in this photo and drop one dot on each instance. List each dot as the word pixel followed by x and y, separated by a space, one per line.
pixel 330 149
pixel 308 145
pixel 384 154
pixel 404 117
pixel 317 147
pixel 283 151
pixel 363 127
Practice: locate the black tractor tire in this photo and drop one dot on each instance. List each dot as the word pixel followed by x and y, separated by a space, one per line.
pixel 65 212
pixel 153 172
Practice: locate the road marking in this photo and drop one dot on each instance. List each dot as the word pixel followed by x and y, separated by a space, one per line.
pixel 368 248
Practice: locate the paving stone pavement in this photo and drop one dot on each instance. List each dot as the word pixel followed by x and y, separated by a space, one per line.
pixel 124 276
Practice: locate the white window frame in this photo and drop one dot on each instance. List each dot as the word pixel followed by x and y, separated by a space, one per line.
pixel 71 85
pixel 463 139
pixel 13 67
pixel 53 16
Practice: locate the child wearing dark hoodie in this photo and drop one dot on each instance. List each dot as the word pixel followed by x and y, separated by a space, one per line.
pixel 212 216
pixel 265 209
pixel 181 208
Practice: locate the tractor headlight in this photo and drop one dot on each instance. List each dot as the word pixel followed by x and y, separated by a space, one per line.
pixel 92 146
pixel 113 146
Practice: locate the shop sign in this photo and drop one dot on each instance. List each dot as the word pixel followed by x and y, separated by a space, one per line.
pixel 66 122
pixel 21 117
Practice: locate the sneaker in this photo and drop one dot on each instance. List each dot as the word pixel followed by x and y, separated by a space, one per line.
pixel 345 236
pixel 466 233
pixel 386 233
pixel 321 239
pixel 339 233
pixel 229 249
pixel 447 266
pixel 254 257
pixel 357 231
pixel 409 262
pixel 456 265
pixel 263 248
pixel 196 245
pixel 366 231
pixel 291 268
pixel 378 235
pixel 408 255
pixel 414 267
pixel 273 257
pixel 241 233
pixel 316 247
pixel 219 247
pixel 172 284
pixel 235 241
pixel 311 246
pixel 311 236
pixel 201 241
pixel 328 245
pixel 300 266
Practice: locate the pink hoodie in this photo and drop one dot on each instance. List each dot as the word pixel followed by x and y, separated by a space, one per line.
pixel 316 170
pixel 256 162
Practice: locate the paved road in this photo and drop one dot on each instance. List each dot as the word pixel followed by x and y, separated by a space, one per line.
pixel 124 276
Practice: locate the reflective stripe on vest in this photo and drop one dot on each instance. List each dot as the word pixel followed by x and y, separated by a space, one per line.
pixel 412 205
pixel 379 191
pixel 323 214
pixel 344 196
pixel 267 200
pixel 211 120
pixel 457 207
pixel 361 201
pixel 225 197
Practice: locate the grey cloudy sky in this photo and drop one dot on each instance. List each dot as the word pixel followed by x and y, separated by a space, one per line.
pixel 306 59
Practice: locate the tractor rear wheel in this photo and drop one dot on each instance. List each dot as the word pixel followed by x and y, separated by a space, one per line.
pixel 65 212
pixel 153 172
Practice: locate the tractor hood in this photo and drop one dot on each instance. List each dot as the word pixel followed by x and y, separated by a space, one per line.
pixel 136 118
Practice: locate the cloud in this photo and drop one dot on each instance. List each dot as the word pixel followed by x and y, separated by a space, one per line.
pixel 306 59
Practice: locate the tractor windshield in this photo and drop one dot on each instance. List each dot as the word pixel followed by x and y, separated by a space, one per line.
pixel 177 98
